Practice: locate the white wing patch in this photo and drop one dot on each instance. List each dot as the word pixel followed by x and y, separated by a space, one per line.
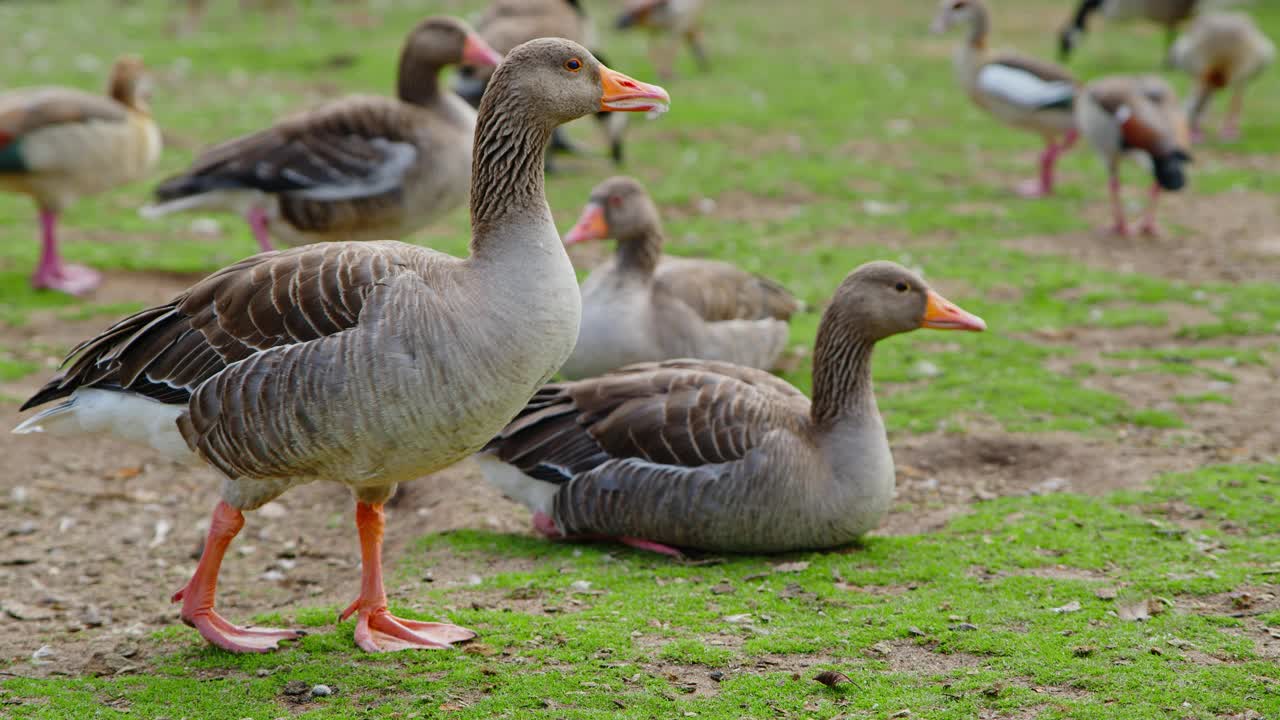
pixel 400 156
pixel 1021 88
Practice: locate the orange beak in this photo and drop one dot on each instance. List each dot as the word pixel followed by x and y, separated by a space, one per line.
pixel 620 93
pixel 475 51
pixel 591 226
pixel 942 314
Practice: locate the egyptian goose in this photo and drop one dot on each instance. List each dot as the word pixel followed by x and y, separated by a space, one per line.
pixel 507 23
pixel 59 144
pixel 714 456
pixel 1169 13
pixel 677 18
pixel 358 168
pixel 367 364
pixel 1141 116
pixel 640 307
pixel 1020 91
pixel 1222 50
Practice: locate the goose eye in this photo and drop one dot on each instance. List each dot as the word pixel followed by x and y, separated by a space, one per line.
pixel 615 201
pixel 901 287
pixel 573 64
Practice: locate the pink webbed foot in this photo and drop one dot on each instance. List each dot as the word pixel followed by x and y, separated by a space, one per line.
pixel 1230 133
pixel 547 527
pixel 1119 230
pixel 1032 190
pixel 70 279
pixel 1151 230
pixel 232 638
pixel 377 630
pixel 652 546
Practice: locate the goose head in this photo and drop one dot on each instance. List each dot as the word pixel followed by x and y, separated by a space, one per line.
pixel 553 80
pixel 618 208
pixel 882 298
pixel 952 13
pixel 130 85
pixel 440 41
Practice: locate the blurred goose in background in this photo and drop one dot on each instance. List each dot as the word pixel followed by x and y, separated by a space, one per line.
pixel 1169 13
pixel 1222 50
pixel 367 364
pixel 359 168
pixel 193 19
pixel 714 456
pixel 507 23
pixel 640 306
pixel 679 19
pixel 1022 92
pixel 1137 116
pixel 59 144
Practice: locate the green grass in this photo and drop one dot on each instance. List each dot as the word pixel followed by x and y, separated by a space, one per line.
pixel 646 631
pixel 847 108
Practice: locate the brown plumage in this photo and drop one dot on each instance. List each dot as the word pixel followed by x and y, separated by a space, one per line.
pixel 679 19
pixel 359 168
pixel 60 144
pixel 507 23
pixel 367 364
pixel 1020 91
pixel 1222 50
pixel 640 306
pixel 1122 115
pixel 714 456
pixel 1169 13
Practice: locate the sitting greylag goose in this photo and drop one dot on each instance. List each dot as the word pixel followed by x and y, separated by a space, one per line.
pixel 367 364
pixel 680 19
pixel 1222 50
pixel 713 456
pixel 59 144
pixel 507 23
pixel 1169 13
pixel 640 307
pixel 359 168
pixel 1020 91
pixel 1141 116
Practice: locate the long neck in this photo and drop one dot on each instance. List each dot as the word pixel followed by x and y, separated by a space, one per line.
pixel 978 27
pixel 418 80
pixel 507 183
pixel 841 373
pixel 640 252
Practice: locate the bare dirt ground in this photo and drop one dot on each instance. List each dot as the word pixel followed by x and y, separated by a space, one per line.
pixel 1230 237
pixel 98 535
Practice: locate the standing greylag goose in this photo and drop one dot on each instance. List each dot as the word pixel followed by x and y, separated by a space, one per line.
pixel 708 455
pixel 367 364
pixel 1121 115
pixel 359 168
pixel 1222 50
pixel 1169 13
pixel 640 307
pixel 59 144
pixel 681 19
pixel 507 23
pixel 1020 91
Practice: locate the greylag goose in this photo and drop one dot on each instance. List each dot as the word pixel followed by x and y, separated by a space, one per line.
pixel 681 19
pixel 1222 50
pixel 714 456
pixel 1169 13
pixel 507 23
pixel 367 364
pixel 1126 115
pixel 358 168
pixel 640 306
pixel 59 144
pixel 1020 91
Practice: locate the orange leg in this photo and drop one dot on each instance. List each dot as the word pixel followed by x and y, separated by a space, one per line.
pixel 377 630
pixel 1150 227
pixel 197 595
